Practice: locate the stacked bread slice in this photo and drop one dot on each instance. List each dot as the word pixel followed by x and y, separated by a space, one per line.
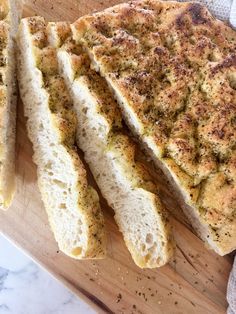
pixel 72 204
pixel 10 11
pixel 112 155
pixel 177 92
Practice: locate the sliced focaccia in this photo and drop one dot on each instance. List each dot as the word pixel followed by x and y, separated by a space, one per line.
pixel 111 155
pixel 172 68
pixel 10 11
pixel 71 203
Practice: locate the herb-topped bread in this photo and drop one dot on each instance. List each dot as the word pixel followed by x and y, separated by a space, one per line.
pixel 172 68
pixel 10 11
pixel 112 156
pixel 71 203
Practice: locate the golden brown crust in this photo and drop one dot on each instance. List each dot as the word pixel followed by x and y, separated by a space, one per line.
pixel 181 86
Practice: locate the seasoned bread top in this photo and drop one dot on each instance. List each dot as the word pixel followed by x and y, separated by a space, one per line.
pixel 50 89
pixel 174 66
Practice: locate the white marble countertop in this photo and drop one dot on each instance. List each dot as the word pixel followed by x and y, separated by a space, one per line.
pixel 25 288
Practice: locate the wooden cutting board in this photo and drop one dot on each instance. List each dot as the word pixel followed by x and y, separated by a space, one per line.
pixel 194 282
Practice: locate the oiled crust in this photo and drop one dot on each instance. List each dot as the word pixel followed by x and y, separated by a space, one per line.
pixel 174 66
pixel 64 122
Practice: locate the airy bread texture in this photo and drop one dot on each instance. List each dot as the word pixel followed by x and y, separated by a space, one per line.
pixel 177 92
pixel 9 18
pixel 72 205
pixel 111 155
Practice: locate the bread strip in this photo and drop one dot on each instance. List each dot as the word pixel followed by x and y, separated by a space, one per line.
pixel 177 93
pixel 72 205
pixel 10 11
pixel 111 155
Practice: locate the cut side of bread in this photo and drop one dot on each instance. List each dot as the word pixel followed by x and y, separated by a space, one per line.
pixel 9 18
pixel 111 155
pixel 177 93
pixel 72 205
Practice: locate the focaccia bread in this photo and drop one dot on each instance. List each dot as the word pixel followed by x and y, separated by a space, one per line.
pixel 71 203
pixel 172 68
pixel 10 11
pixel 112 156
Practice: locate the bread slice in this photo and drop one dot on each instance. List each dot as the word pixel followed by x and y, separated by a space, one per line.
pixel 111 155
pixel 72 205
pixel 177 91
pixel 9 17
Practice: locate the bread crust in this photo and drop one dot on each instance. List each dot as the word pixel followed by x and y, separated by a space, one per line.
pixel 71 203
pixel 123 180
pixel 177 91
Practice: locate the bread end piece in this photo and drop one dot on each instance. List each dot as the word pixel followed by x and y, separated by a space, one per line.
pixel 10 14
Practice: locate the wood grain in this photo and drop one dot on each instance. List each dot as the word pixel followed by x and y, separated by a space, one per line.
pixel 194 282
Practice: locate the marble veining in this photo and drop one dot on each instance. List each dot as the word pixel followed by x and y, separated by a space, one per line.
pixel 25 288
